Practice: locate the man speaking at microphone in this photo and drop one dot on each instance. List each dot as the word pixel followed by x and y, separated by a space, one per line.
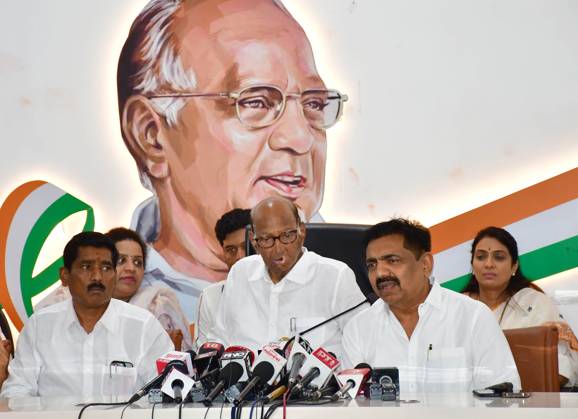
pixel 440 340
pixel 90 344
pixel 285 288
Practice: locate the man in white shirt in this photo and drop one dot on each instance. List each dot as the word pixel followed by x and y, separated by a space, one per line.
pixel 284 289
pixel 440 340
pixel 230 231
pixel 91 344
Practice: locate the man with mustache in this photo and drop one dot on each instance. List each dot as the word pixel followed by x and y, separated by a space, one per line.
pixel 440 340
pixel 285 288
pixel 221 105
pixel 90 344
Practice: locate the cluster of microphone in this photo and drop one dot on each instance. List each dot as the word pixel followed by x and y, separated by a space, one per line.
pixel 287 368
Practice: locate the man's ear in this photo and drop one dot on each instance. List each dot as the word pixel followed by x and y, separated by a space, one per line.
pixel 143 133
pixel 253 242
pixel 64 276
pixel 428 264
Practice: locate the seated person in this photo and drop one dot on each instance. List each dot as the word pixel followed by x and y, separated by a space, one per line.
pixel 498 282
pixel 90 344
pixel 230 231
pixel 440 340
pixel 6 349
pixel 160 301
pixel 285 288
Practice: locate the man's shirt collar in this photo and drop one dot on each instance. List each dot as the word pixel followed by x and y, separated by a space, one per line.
pixel 108 320
pixel 298 274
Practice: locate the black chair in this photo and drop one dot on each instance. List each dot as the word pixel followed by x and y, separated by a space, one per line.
pixel 338 241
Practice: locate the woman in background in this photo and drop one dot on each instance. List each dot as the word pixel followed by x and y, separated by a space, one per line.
pixel 498 282
pixel 160 301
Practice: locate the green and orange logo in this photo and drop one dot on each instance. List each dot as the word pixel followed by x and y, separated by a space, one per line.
pixel 27 217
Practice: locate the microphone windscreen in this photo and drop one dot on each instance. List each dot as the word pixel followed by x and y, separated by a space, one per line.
pixel 264 370
pixel 231 373
pixel 363 365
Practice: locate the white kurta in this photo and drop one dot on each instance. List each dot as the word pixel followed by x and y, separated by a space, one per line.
pixel 207 312
pixel 456 345
pixel 254 311
pixel 56 357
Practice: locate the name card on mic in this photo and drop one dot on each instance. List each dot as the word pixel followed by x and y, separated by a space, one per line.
pixel 174 375
pixel 174 356
pixel 326 363
pixel 243 358
pixel 271 356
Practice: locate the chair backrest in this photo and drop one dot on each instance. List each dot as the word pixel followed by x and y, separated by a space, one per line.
pixel 341 242
pixel 535 351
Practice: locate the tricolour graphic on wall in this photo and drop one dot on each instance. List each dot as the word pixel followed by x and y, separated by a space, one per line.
pixel 543 218
pixel 27 217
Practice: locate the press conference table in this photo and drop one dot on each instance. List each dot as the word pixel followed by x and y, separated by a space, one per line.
pixel 430 406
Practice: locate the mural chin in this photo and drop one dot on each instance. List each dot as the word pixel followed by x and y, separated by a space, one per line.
pixel 306 198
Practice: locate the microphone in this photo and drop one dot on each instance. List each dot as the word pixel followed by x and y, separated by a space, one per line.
pixel 184 357
pixel 300 350
pixel 235 367
pixel 208 357
pixel 275 394
pixel 164 365
pixel 351 381
pixel 324 363
pixel 298 361
pixel 177 387
pixel 305 380
pixel 228 376
pixel 176 384
pixel 268 365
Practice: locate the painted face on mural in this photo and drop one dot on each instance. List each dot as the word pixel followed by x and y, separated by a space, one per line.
pixel 252 126
pixel 218 163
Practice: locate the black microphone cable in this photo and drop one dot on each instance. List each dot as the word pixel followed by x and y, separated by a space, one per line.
pixel 153 410
pixel 123 409
pixel 86 406
pixel 324 322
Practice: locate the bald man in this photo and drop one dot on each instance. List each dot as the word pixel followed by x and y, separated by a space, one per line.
pixel 284 289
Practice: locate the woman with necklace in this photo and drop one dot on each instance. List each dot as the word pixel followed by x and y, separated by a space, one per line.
pixel 498 282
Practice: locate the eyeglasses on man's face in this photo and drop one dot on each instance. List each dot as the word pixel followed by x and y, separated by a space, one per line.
pixel 287 237
pixel 262 105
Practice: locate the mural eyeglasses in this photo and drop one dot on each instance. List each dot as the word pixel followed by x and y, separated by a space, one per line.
pixel 262 105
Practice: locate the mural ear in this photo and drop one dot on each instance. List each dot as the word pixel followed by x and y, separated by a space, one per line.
pixel 142 131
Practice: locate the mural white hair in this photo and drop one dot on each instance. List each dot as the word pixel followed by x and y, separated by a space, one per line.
pixel 162 65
